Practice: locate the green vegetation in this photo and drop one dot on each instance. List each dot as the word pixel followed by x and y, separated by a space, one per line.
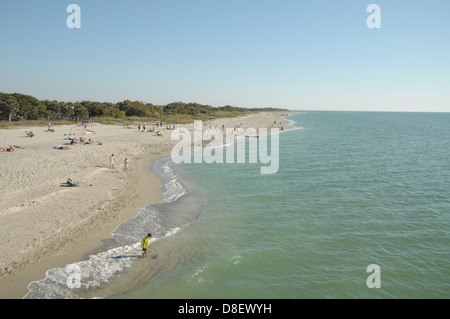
pixel 18 109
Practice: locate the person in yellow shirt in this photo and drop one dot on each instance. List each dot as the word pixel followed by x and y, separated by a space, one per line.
pixel 144 244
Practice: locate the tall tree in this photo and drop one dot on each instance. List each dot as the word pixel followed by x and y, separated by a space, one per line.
pixel 80 110
pixel 8 106
pixel 30 108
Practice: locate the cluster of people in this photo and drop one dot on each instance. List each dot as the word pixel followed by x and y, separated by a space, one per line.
pixel 51 128
pixel 145 129
pixel 82 140
pixel 73 140
pixel 148 130
pixel 89 141
pixel 83 125
pixel 153 129
pixel 280 123
pixel 112 163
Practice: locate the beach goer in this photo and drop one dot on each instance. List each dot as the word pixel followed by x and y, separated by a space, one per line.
pixel 111 161
pixel 144 244
pixel 125 165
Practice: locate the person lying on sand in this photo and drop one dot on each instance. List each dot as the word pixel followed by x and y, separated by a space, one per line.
pixel 62 147
pixel 90 141
pixel 69 183
pixel 12 148
pixel 73 140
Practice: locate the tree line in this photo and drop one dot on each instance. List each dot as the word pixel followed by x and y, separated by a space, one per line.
pixel 17 106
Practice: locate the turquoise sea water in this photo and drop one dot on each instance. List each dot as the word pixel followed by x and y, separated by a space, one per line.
pixel 352 189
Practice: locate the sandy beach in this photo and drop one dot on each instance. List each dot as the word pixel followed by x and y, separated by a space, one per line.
pixel 44 224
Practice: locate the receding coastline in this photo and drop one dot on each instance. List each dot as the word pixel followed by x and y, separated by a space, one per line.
pixel 118 195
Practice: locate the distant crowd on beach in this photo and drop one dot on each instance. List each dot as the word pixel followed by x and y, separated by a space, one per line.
pixel 73 139
pixel 156 130
pixel 70 138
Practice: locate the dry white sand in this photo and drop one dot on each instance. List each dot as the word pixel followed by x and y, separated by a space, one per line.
pixel 44 225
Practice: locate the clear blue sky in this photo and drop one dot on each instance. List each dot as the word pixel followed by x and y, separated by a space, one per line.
pixel 301 55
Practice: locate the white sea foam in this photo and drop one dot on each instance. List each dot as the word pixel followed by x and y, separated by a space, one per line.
pixel 75 279
pixel 173 188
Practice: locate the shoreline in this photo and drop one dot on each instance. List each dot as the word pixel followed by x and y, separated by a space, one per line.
pixel 147 189
pixel 111 196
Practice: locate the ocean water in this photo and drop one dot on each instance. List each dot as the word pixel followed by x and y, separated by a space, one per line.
pixel 353 189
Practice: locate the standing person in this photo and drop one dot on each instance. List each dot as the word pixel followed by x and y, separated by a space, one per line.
pixel 144 244
pixel 125 165
pixel 111 161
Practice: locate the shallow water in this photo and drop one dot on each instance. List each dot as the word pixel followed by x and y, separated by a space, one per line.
pixel 353 189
